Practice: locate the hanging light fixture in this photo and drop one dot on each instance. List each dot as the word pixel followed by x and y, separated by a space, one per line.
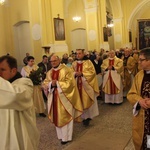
pixel 76 18
pixel 110 24
pixel 2 2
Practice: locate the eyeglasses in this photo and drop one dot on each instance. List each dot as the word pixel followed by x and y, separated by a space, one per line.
pixel 140 59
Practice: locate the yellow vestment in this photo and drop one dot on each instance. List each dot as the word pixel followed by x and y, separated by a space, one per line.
pixel 89 83
pixel 136 67
pixel 115 75
pixel 128 72
pixel 68 100
pixel 138 121
pixel 29 69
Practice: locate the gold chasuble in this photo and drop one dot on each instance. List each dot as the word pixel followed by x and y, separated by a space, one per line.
pixel 87 84
pixel 139 90
pixel 64 102
pixel 55 102
pixel 112 78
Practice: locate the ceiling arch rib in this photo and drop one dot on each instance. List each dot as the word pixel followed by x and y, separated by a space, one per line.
pixel 116 9
pixel 135 11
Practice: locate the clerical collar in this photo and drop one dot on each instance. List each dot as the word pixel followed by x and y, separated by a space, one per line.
pixel 110 58
pixel 17 76
pixel 56 68
pixel 96 61
pixel 147 71
pixel 79 61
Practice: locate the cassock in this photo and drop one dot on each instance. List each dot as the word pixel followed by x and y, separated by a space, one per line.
pixel 88 87
pixel 64 104
pixel 112 81
pixel 18 129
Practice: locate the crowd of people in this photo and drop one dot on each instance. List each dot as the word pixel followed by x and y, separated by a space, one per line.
pixel 68 88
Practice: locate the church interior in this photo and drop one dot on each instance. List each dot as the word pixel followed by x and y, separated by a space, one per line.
pixel 43 27
pixel 30 26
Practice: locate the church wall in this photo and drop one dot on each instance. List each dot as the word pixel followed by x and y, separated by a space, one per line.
pixel 42 12
pixel 3 50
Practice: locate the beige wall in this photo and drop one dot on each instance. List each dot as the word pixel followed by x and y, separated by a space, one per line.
pixel 3 50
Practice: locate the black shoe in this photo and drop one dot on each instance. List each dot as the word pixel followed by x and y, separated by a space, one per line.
pixel 86 122
pixel 63 143
pixel 99 97
pixel 42 115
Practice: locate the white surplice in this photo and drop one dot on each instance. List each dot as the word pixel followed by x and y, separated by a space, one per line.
pixel 18 129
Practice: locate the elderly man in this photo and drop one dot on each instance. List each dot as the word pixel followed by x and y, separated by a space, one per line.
pixel 64 103
pixel 139 97
pixel 18 129
pixel 112 82
pixel 87 83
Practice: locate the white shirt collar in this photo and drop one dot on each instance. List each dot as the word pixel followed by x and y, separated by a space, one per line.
pixel 79 61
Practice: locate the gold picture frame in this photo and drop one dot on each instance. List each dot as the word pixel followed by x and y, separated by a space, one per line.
pixel 143 33
pixel 59 29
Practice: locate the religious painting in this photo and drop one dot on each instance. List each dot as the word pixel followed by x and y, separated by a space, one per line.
pixel 59 29
pixel 144 33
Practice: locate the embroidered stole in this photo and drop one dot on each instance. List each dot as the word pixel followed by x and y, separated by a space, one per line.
pixel 112 86
pixel 55 74
pixel 145 93
pixel 79 79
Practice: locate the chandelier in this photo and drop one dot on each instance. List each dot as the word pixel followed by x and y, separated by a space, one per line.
pixel 2 2
pixel 76 18
pixel 110 24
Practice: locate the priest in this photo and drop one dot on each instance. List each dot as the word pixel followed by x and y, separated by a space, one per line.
pixel 64 105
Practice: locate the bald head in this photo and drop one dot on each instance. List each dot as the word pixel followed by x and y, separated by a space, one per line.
pixel 55 61
pixel 111 53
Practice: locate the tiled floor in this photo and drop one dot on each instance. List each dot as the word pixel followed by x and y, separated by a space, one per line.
pixel 111 130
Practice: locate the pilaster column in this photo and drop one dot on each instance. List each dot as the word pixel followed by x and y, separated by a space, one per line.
pixel 92 28
pixel 47 24
pixel 102 23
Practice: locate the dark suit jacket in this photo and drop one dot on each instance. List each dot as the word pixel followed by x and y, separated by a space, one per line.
pixel 97 66
pixel 44 71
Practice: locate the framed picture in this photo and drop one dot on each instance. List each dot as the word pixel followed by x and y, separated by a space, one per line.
pixel 59 29
pixel 143 33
